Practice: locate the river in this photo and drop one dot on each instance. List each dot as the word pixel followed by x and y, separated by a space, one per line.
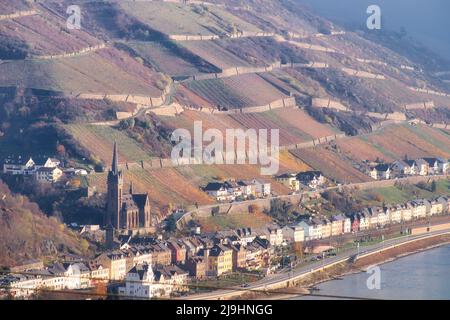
pixel 424 275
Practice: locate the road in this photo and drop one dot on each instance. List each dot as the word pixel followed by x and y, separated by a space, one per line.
pixel 278 280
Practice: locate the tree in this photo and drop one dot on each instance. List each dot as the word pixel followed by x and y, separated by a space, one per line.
pixel 433 186
pixel 61 150
pixel 171 225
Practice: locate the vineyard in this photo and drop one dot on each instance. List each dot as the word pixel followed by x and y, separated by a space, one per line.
pixel 166 60
pixel 105 71
pixel 215 54
pixel 45 34
pixel 178 19
pixel 236 92
pixel 412 141
pixel 331 164
pixel 99 140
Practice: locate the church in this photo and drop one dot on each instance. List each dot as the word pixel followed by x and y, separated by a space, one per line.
pixel 127 213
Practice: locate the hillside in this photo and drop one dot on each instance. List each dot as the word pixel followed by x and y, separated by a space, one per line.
pixel 26 233
pixel 137 70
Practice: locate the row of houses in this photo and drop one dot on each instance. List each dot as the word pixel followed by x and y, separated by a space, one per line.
pixel 404 168
pixel 310 179
pixel 58 276
pixel 232 190
pixel 373 218
pixel 42 169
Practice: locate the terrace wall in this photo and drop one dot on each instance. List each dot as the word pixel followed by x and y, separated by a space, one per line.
pixel 18 14
pixel 71 54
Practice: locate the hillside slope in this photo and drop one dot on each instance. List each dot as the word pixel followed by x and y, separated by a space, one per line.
pixel 26 233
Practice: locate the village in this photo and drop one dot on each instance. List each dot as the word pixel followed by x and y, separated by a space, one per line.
pixel 137 263
pixel 151 267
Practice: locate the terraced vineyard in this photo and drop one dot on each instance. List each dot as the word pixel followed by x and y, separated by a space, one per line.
pixel 236 92
pixel 99 140
pixel 168 62
pixel 179 19
pixel 331 164
pixel 215 54
pixel 107 71
pixel 413 141
pixel 46 34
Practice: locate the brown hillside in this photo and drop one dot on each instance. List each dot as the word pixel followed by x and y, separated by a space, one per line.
pixel 26 233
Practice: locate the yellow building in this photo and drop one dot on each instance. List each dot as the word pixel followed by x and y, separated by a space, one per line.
pixel 220 260
pixel 289 180
pixel 115 262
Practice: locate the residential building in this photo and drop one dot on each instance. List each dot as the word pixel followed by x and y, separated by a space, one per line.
pixel 274 234
pixel 293 234
pixel 337 225
pixel 289 180
pixel 178 250
pixel 326 228
pixel 140 283
pixel 239 257
pixel 422 167
pixel 364 221
pixel 245 235
pixel 311 179
pixel 115 262
pixel 395 213
pixel 45 174
pixel 400 168
pixel 355 223
pixel 312 230
pixel 196 266
pixel 381 172
pixel 220 260
pixel 218 191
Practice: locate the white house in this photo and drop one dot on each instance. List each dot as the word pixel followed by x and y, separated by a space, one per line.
pixel 347 225
pixel 381 172
pixel 48 174
pixel 18 166
pixel 312 230
pixel 219 191
pixel 140 283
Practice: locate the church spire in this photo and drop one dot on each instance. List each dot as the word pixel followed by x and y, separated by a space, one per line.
pixel 115 164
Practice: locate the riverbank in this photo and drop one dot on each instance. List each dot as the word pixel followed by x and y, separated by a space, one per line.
pixel 306 284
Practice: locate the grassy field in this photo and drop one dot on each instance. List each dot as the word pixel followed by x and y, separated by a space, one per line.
pixel 402 194
pixel 223 222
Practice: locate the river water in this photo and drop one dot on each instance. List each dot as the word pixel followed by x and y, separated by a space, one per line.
pixel 424 275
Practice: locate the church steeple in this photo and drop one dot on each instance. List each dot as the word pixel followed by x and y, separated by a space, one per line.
pixel 115 160
pixel 115 193
pixel 131 187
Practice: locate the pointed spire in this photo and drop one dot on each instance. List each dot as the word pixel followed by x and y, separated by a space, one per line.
pixel 115 160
